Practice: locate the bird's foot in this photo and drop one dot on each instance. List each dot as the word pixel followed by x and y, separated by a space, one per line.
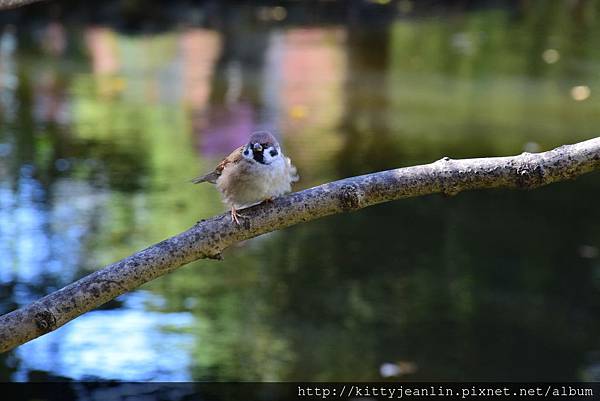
pixel 268 200
pixel 235 216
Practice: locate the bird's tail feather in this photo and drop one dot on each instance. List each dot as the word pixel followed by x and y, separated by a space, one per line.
pixel 210 177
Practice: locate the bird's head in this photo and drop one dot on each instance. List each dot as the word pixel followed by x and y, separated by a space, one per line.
pixel 262 147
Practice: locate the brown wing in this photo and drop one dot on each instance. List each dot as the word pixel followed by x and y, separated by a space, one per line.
pixel 212 177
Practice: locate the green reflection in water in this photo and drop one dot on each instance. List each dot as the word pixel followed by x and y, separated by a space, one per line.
pixel 489 285
pixel 127 111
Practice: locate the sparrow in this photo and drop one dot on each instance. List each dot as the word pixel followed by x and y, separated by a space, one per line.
pixel 251 174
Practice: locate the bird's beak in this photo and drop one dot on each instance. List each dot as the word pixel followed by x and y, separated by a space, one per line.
pixel 257 147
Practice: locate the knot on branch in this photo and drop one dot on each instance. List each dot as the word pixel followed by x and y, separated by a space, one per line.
pixel 449 192
pixel 350 197
pixel 45 321
pixel 530 176
pixel 213 255
pixel 449 186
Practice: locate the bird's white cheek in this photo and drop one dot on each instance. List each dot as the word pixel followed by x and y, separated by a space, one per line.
pixel 268 158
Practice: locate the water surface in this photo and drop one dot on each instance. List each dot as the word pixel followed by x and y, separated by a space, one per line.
pixel 102 124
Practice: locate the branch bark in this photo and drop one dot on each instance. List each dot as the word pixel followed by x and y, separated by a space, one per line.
pixel 8 4
pixel 208 238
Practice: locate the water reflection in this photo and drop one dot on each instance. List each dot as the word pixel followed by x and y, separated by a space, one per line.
pixel 129 343
pixel 98 137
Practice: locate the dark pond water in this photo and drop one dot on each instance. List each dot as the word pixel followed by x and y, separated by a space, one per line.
pixel 102 124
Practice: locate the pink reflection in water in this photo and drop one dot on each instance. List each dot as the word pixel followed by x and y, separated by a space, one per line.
pixel 54 39
pixel 313 71
pixel 199 51
pixel 229 127
pixel 102 45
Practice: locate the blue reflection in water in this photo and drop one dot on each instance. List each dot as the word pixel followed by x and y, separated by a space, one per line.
pixel 41 237
pixel 130 344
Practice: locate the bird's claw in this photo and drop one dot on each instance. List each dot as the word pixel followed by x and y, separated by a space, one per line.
pixel 235 216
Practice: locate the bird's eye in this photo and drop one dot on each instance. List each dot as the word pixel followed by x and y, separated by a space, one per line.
pixel 273 153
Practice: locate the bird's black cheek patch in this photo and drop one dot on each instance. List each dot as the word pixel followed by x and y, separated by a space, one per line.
pixel 273 153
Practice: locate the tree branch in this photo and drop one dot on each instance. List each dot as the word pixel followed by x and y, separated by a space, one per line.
pixel 209 237
pixel 8 4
